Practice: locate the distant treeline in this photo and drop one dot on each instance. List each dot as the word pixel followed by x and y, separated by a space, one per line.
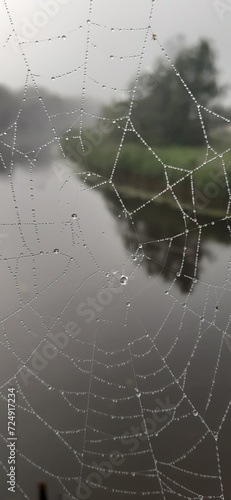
pixel 165 110
pixel 33 125
pixel 166 134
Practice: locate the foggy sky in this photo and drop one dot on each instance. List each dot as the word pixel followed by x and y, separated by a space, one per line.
pixel 101 73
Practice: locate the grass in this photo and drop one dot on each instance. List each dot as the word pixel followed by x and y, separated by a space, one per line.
pixel 142 169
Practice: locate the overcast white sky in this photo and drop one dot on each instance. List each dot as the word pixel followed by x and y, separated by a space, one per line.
pixel 192 18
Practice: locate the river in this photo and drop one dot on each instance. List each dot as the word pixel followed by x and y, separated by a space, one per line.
pixel 115 334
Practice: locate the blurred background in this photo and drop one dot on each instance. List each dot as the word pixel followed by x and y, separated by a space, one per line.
pixel 115 165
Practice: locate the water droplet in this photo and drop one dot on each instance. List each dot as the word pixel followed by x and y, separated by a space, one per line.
pixel 128 304
pixel 74 216
pixel 41 252
pixel 123 280
pixel 56 250
pixel 134 257
pixel 195 413
pixel 64 37
pixel 53 78
pixel 111 56
pixel 133 474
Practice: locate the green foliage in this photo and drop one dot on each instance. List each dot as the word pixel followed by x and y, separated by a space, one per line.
pixel 164 112
pixel 137 160
pixel 139 172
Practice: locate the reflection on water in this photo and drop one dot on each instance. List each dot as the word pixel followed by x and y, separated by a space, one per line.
pixel 169 240
pixel 132 399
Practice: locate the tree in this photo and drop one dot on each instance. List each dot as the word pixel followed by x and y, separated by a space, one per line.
pixel 164 112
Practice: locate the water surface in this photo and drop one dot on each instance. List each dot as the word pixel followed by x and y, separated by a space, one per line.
pixel 135 392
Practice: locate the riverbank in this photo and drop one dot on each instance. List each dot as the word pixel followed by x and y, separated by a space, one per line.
pixel 164 174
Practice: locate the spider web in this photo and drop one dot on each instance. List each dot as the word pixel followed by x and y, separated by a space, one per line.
pixel 129 396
